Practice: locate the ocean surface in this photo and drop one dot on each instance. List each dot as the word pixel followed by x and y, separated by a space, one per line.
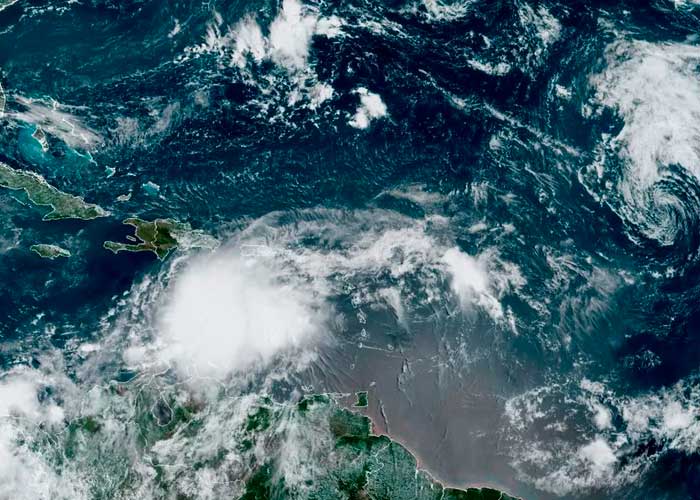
pixel 484 213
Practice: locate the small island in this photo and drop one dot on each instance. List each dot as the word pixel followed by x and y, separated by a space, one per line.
pixel 52 252
pixel 362 399
pixel 41 193
pixel 40 137
pixel 160 236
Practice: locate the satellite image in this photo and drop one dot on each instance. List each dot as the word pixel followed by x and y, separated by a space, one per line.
pixel 349 249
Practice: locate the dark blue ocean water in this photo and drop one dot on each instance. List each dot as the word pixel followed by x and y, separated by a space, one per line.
pixel 553 147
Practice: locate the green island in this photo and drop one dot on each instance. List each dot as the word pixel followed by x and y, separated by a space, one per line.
pixel 41 193
pixel 46 251
pixel 362 399
pixel 161 236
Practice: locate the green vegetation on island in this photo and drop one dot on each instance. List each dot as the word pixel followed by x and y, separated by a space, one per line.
pixel 362 399
pixel 41 193
pixel 46 251
pixel 160 236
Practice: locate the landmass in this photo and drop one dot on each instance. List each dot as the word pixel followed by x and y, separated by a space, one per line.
pixel 40 137
pixel 311 450
pixel 362 399
pixel 161 236
pixel 356 464
pixel 49 251
pixel 41 193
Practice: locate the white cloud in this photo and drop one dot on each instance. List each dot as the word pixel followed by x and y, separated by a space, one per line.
pixel 599 454
pixel 371 107
pixel 602 418
pixel 654 88
pixel 290 35
pixel 24 472
pixel 226 313
pixel 55 119
pixel 265 297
